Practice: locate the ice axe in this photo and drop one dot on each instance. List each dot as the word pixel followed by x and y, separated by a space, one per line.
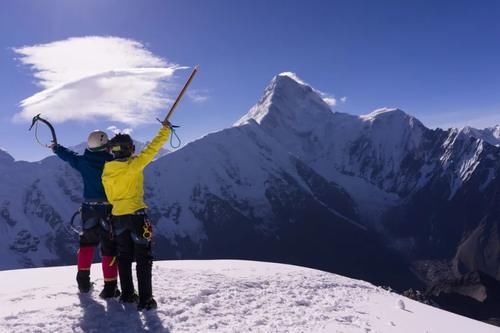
pixel 179 97
pixel 35 121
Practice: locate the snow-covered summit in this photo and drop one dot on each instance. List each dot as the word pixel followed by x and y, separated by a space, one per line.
pixel 220 296
pixel 292 76
pixel 383 112
pixel 287 102
pixel 395 130
pixel 393 115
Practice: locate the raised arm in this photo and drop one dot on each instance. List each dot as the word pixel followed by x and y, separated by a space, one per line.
pixel 152 149
pixel 67 155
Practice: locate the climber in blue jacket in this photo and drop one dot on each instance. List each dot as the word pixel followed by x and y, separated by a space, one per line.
pixel 95 213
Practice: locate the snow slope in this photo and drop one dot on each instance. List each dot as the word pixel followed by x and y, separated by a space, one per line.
pixel 220 296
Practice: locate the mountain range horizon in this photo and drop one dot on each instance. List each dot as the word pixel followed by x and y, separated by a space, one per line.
pixel 490 134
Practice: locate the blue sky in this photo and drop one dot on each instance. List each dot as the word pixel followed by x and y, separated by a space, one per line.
pixel 437 60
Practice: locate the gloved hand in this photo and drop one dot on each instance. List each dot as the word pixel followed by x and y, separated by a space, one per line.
pixel 167 124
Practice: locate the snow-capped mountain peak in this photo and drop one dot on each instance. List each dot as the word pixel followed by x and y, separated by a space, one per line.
pixel 393 118
pixel 382 112
pixel 292 76
pixel 377 144
pixel 393 114
pixel 394 126
pixel 288 102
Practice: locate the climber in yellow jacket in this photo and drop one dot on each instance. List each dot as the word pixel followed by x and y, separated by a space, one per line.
pixel 123 180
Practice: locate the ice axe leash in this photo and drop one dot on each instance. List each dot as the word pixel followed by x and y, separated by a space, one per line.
pixel 34 123
pixel 176 102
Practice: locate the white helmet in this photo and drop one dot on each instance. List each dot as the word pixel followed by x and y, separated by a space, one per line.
pixel 97 140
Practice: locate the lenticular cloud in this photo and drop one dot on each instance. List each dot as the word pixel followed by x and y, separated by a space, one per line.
pixel 105 78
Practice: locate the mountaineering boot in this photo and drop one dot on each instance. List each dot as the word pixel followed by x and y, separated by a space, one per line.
pixel 84 261
pixel 110 290
pixel 129 298
pixel 150 304
pixel 83 280
pixel 125 272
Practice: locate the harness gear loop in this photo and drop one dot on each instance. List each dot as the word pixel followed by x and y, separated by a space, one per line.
pixel 72 222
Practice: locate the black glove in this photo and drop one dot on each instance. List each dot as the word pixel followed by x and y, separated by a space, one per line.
pixel 53 146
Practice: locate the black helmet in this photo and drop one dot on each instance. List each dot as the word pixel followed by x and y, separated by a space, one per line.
pixel 122 146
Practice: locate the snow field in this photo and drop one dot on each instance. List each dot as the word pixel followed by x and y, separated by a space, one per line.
pixel 219 296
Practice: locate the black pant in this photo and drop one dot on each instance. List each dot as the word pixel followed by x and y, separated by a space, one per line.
pixel 96 228
pixel 134 243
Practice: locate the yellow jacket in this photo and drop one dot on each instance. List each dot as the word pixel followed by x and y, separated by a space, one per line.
pixel 124 180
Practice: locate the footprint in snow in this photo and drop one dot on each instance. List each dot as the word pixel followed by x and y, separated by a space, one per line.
pixel 302 303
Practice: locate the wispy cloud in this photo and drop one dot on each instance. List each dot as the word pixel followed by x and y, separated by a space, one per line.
pixel 330 100
pixel 115 130
pixel 89 78
pixel 198 96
